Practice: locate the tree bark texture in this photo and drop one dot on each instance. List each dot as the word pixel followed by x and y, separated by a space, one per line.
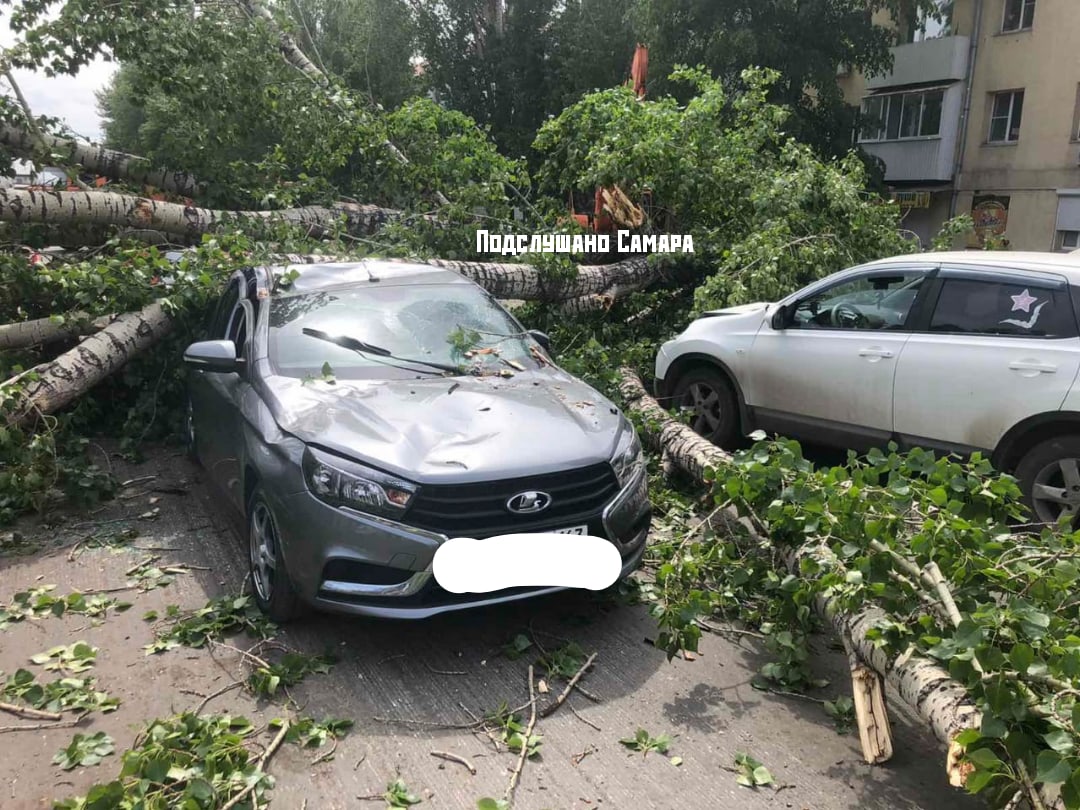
pixel 289 49
pixel 45 330
pixel 922 684
pixel 526 282
pixel 99 160
pixel 186 222
pixel 61 381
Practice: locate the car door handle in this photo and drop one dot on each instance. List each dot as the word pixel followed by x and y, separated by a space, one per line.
pixel 1031 365
pixel 875 353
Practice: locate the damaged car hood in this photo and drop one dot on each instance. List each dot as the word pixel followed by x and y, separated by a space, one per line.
pixel 456 429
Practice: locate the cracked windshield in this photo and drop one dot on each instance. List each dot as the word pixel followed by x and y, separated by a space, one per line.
pixel 404 329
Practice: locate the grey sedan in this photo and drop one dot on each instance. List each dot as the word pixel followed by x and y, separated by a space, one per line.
pixel 358 415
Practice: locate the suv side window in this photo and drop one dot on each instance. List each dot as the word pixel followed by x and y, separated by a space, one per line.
pixel 876 301
pixel 238 329
pixel 224 313
pixel 1012 307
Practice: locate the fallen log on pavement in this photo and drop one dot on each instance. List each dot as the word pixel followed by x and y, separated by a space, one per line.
pixel 941 702
pixel 57 383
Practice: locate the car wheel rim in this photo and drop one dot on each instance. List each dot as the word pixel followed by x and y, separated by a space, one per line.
pixel 703 403
pixel 1056 491
pixel 263 551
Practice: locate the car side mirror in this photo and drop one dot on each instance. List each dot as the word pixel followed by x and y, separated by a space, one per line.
pixel 781 319
pixel 541 338
pixel 213 355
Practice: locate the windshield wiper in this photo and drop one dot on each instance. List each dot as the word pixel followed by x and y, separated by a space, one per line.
pixel 346 342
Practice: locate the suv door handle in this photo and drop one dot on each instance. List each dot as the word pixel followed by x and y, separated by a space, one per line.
pixel 875 353
pixel 1031 365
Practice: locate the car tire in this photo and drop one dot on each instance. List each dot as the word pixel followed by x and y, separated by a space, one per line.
pixel 1049 475
pixel 270 583
pixel 708 394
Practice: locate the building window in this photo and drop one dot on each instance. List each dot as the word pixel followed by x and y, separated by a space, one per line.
pixel 1068 240
pixel 1019 15
pixel 1076 117
pixel 901 115
pixel 1005 117
pixel 922 25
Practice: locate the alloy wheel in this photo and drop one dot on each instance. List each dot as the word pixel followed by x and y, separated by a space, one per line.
pixel 1056 491
pixel 264 544
pixel 703 402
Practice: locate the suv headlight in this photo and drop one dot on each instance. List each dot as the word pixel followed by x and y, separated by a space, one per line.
pixel 340 482
pixel 627 459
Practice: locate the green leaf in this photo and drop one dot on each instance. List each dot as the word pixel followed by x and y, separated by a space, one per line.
pixel 977 780
pixel 993 727
pixel 1060 740
pixel 969 735
pixel 985 759
pixel 1021 657
pixel 1051 768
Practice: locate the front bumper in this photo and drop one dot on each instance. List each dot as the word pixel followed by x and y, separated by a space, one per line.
pixel 318 539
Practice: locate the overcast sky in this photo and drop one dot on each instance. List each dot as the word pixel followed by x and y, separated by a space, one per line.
pixel 68 97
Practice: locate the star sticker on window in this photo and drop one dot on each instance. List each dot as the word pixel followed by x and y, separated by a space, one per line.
pixel 1023 302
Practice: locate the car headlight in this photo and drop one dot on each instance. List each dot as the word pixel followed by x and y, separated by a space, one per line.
pixel 627 459
pixel 340 482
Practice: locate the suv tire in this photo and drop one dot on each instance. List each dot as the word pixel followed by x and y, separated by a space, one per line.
pixel 708 394
pixel 270 583
pixel 1049 475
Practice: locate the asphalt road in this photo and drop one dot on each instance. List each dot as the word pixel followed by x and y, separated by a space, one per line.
pixel 399 681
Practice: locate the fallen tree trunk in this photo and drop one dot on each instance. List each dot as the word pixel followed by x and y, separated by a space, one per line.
pixel 922 684
pixel 48 330
pixel 529 283
pixel 594 287
pixel 102 209
pixel 99 160
pixel 58 382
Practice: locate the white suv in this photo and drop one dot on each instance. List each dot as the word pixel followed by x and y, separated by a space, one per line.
pixel 954 352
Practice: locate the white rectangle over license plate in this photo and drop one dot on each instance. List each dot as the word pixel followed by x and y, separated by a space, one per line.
pixel 573 530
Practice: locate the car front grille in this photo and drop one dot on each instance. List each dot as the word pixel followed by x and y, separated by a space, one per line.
pixel 479 510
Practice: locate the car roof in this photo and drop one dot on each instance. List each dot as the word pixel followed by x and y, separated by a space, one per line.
pixel 1067 264
pixel 384 272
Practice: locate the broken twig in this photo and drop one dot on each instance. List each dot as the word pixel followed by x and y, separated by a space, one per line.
pixel 455 758
pixel 41 726
pixel 218 693
pixel 30 714
pixel 259 766
pixel 516 775
pixel 550 709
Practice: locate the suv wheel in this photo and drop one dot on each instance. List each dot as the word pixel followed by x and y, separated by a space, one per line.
pixel 1049 476
pixel 709 398
pixel 270 583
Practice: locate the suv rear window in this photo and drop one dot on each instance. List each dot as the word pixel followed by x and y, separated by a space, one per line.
pixel 995 308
